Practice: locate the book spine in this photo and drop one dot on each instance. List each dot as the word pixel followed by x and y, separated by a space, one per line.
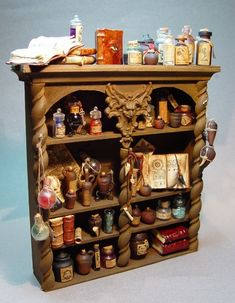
pixel 100 43
pixel 165 249
pixel 170 235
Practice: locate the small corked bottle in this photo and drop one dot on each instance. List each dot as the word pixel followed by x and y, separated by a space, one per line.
pixel 204 48
pixel 97 264
pixel 181 51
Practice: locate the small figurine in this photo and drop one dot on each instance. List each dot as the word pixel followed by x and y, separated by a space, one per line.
pixel 105 186
pixel 75 119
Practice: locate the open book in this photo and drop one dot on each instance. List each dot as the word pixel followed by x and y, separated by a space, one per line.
pixel 43 50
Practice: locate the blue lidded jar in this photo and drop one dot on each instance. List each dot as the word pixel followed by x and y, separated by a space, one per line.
pixel 179 207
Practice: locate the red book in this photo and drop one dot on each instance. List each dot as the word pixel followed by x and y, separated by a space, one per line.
pixel 171 234
pixel 109 46
pixel 165 249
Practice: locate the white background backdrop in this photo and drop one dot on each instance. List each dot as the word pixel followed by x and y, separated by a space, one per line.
pixel 206 276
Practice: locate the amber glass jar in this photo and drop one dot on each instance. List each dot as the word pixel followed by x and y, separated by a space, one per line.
pixel 108 257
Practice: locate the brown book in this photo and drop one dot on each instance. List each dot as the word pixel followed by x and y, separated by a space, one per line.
pixel 83 52
pixel 109 46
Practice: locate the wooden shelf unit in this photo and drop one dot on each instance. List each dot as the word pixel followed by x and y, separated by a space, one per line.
pixel 46 86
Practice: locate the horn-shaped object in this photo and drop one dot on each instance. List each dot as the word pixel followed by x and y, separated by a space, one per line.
pixel 207 154
pixel 211 129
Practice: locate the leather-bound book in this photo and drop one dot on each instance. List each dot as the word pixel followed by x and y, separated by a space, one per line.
pixel 172 247
pixel 109 46
pixel 170 234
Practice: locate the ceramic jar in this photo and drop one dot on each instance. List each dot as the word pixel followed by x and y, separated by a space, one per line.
pixel 139 245
pixel 95 224
pixel 63 267
pixel 108 257
pixel 148 216
pixel 84 261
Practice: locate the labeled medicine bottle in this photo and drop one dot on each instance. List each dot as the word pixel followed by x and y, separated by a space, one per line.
pixel 95 122
pixel 58 124
pixel 162 33
pixel 181 51
pixel 134 55
pixel 76 28
pixel 169 51
pixel 190 42
pixel 204 47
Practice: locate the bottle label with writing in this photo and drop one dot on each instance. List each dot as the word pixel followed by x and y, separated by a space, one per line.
pixel 181 55
pixel 110 263
pixel 66 274
pixel 191 52
pixel 169 54
pixel 204 53
pixel 134 57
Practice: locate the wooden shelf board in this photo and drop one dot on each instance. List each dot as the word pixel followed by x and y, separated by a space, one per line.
pixel 158 223
pixel 151 258
pixel 79 208
pixel 158 194
pixel 83 138
pixel 112 135
pixel 102 204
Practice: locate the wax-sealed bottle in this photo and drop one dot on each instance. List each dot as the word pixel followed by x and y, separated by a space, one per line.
pixel 190 42
pixel 204 48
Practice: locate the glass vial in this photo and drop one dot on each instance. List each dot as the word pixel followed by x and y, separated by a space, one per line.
pixel 169 51
pixel 164 211
pixel 178 207
pixel 76 28
pixel 162 33
pixel 97 257
pixel 58 124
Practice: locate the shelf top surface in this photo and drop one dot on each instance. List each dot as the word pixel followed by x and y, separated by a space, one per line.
pixel 119 71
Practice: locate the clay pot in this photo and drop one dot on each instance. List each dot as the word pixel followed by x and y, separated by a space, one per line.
pixel 139 246
pixel 175 119
pixel 151 57
pixel 136 214
pixel 159 123
pixel 84 261
pixel 145 190
pixel 148 216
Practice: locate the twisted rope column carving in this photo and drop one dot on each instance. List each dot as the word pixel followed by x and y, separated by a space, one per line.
pixel 40 129
pixel 196 177
pixel 124 221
